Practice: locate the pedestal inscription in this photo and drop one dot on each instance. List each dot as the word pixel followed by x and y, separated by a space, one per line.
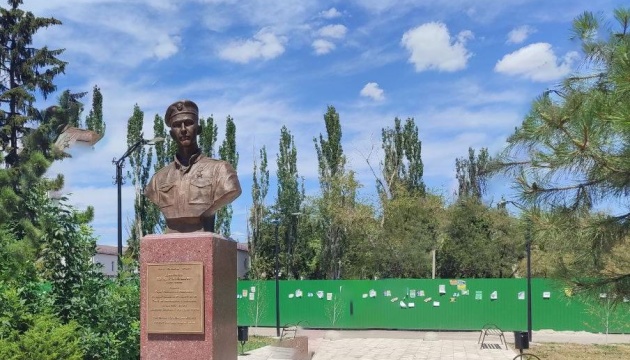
pixel 175 298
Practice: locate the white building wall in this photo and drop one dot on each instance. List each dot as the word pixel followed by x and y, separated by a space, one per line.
pixel 242 263
pixel 109 263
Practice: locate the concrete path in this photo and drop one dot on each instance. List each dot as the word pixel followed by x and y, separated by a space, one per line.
pixel 407 349
pixel 415 345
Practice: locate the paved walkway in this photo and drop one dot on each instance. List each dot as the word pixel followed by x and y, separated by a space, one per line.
pixel 414 345
pixel 407 349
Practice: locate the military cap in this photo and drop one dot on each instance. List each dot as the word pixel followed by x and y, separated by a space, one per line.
pixel 180 107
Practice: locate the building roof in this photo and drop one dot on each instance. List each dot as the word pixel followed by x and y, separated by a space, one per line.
pixel 108 249
pixel 242 247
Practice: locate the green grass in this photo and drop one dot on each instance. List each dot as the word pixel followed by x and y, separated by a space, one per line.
pixel 256 342
pixel 555 351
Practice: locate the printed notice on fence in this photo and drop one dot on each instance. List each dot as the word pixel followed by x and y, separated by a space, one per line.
pixel 175 298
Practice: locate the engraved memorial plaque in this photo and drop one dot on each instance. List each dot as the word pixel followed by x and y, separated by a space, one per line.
pixel 175 298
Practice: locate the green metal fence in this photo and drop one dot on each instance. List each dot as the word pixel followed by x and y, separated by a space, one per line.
pixel 427 304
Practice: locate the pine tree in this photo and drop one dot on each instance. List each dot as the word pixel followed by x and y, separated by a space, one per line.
pixel 26 133
pixel 72 107
pixel 571 155
pixel 24 69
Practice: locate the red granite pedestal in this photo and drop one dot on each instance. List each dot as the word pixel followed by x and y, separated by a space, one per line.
pixel 218 255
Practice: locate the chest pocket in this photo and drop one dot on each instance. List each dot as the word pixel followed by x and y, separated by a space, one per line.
pixel 200 191
pixel 167 193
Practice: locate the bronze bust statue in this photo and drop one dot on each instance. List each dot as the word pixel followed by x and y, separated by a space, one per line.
pixel 191 189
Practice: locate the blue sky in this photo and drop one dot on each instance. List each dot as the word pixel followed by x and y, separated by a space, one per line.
pixel 467 72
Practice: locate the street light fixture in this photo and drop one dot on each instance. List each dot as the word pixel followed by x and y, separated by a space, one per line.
pixel 120 163
pixel 528 252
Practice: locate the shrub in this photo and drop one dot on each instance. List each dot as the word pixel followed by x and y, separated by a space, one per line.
pixel 48 339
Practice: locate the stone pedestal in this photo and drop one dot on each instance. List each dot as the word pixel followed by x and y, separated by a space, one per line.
pixel 217 339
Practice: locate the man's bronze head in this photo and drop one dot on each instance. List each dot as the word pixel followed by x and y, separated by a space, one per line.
pixel 183 119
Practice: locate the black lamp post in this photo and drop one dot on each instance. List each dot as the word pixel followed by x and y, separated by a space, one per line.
pixel 120 163
pixel 528 249
pixel 277 269
pixel 528 252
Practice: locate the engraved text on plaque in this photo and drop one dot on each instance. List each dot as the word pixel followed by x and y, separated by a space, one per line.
pixel 175 298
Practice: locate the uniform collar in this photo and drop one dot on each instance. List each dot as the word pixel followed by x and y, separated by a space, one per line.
pixel 193 159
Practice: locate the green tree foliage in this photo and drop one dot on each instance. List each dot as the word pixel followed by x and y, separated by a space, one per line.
pixel 65 257
pixel 330 155
pixel 71 107
pixel 94 121
pixel 402 167
pixel 227 152
pixel 480 242
pixel 570 154
pixel 25 69
pixel 290 196
pixel 16 258
pixel 258 252
pixel 338 191
pixel 144 221
pixel 472 174
pixel 54 302
pixel 412 228
pixel 48 339
pixel 208 135
pixel 164 154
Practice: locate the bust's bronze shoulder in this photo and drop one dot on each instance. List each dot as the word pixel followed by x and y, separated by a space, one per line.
pixel 191 189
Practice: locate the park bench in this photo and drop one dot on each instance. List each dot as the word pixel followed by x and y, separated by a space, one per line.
pixel 491 330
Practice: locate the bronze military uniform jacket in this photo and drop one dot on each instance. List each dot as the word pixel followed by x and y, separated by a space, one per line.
pixel 189 196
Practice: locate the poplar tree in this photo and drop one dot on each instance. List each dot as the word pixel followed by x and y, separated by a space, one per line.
pixel 259 251
pixel 338 194
pixel 94 121
pixel 402 167
pixel 208 136
pixel 410 219
pixel 290 195
pixel 472 174
pixel 164 154
pixel 140 165
pixel 227 152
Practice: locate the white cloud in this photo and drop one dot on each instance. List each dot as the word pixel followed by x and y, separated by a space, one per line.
pixel 520 34
pixel 536 62
pixel 330 13
pixel 322 46
pixel 431 48
pixel 264 45
pixel 336 31
pixel 373 91
pixel 166 47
